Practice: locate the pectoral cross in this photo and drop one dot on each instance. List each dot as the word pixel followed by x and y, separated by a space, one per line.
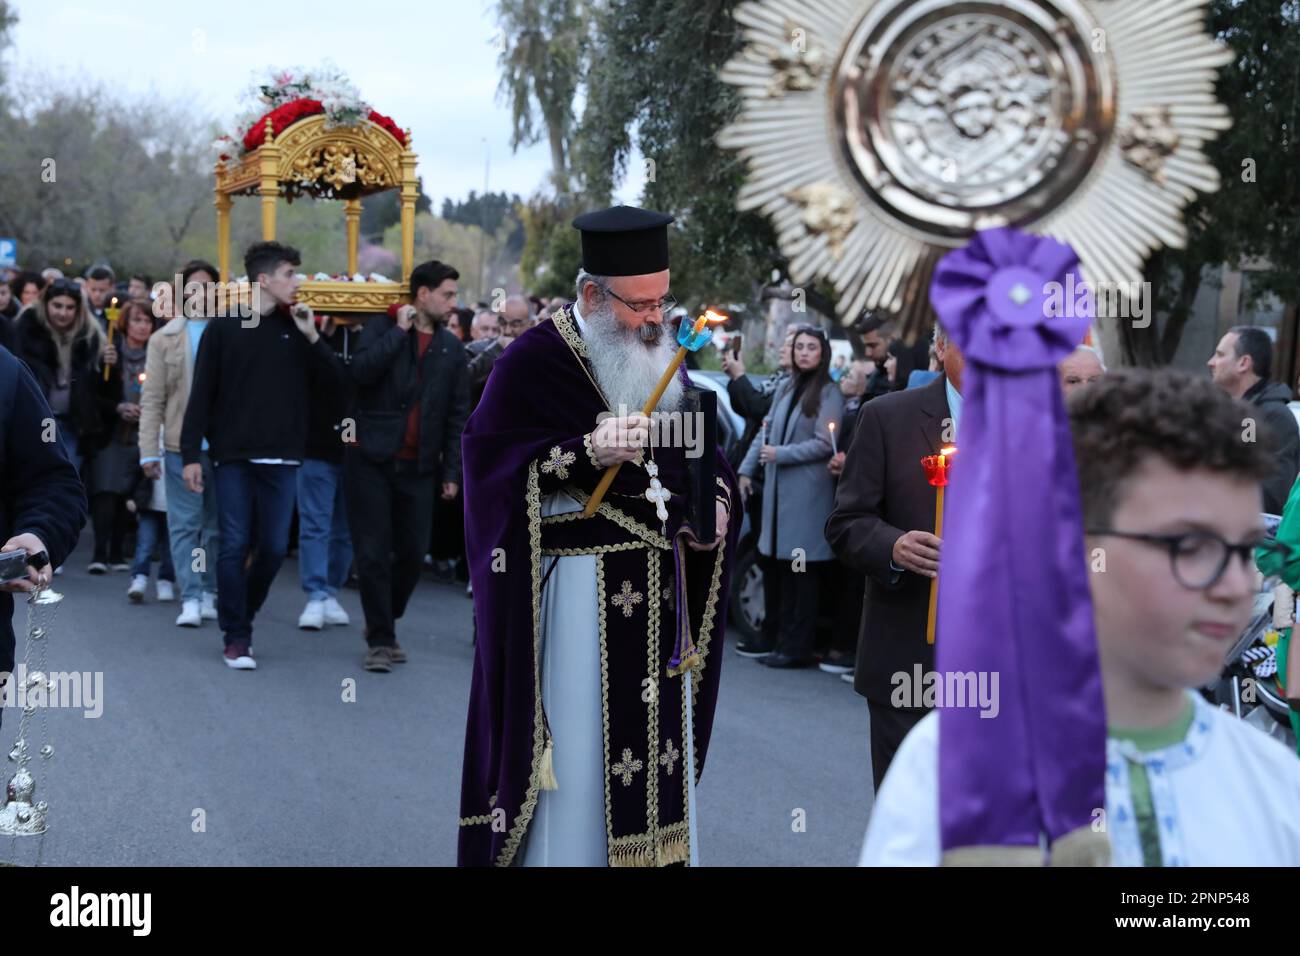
pixel 657 493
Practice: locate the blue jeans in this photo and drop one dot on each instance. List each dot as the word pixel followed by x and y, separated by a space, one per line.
pixel 324 546
pixel 152 529
pixel 248 492
pixel 191 525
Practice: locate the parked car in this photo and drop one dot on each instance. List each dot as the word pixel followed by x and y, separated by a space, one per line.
pixel 746 593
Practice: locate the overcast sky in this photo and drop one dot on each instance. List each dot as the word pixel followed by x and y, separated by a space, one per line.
pixel 429 65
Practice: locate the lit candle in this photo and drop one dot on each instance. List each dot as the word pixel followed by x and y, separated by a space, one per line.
pixel 111 313
pixel 834 448
pixel 689 343
pixel 936 473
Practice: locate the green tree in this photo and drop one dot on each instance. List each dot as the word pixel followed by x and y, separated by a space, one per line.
pixel 89 176
pixel 654 85
pixel 1253 215
pixel 541 44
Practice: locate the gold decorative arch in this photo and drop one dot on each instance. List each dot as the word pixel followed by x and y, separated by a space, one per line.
pixel 341 163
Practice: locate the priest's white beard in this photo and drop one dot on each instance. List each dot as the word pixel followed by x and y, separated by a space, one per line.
pixel 627 365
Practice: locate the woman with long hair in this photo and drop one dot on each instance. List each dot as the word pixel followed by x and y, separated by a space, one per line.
pixel 115 473
pixel 66 349
pixel 798 496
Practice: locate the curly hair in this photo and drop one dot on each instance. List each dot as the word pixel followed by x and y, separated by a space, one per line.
pixel 1188 421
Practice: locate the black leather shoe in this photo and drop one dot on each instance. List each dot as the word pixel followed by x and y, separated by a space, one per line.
pixel 785 661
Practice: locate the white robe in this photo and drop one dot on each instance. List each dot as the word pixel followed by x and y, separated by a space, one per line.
pixel 1226 795
pixel 568 827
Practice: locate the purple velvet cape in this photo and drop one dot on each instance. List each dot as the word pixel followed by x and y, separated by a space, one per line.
pixel 1013 586
pixel 538 398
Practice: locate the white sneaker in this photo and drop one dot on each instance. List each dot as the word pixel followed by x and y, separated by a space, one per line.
pixel 238 661
pixel 189 616
pixel 313 616
pixel 208 606
pixel 334 613
pixel 167 593
pixel 135 593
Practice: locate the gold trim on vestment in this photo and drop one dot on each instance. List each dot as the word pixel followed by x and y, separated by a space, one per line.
pixel 702 643
pixel 600 549
pixel 623 520
pixel 564 325
pixel 652 715
pixel 591 452
pixel 672 845
pixel 604 692
pixel 533 497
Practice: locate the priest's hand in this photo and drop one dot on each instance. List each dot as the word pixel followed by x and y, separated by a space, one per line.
pixel 918 551
pixel 720 524
pixel 617 440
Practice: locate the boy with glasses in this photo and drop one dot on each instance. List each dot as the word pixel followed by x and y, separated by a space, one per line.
pixel 1171 503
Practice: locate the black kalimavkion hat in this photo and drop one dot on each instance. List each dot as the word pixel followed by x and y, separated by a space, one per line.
pixel 624 241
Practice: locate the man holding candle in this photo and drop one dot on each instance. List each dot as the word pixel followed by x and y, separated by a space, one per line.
pixel 581 737
pixel 882 526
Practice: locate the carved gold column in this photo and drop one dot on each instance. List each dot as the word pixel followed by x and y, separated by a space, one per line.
pixel 270 187
pixel 223 205
pixel 410 193
pixel 352 213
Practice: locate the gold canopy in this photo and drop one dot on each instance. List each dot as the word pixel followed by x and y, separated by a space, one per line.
pixel 342 163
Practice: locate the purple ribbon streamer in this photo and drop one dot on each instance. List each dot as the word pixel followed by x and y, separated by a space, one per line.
pixel 1013 589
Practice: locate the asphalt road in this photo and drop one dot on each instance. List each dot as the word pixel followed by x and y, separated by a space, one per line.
pixel 193 764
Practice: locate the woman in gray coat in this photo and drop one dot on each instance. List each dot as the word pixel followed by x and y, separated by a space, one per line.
pixel 798 496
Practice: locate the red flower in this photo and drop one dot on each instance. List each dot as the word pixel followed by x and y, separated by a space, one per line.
pixel 282 117
pixel 286 114
pixel 379 119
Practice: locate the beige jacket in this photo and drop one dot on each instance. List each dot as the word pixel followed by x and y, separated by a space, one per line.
pixel 168 371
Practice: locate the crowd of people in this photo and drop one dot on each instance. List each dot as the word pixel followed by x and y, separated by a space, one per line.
pixel 203 438
pixel 198 461
pixel 818 533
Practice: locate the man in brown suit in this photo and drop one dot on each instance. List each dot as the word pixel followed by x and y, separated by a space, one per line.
pixel 882 526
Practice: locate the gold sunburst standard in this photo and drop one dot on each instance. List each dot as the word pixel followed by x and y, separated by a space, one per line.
pixel 880 133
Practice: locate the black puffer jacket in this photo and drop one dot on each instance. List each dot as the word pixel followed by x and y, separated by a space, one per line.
pixel 92 405
pixel 1271 399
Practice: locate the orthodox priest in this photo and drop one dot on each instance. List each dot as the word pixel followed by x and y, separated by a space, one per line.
pixel 598 649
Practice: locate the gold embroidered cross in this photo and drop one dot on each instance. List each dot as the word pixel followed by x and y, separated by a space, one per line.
pixel 627 766
pixel 559 463
pixel 669 757
pixel 626 599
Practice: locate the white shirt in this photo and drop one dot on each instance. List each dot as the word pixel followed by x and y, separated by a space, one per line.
pixel 577 317
pixel 954 406
pixel 1225 795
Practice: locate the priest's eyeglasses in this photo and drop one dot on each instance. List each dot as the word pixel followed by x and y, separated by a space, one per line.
pixel 1200 558
pixel 664 305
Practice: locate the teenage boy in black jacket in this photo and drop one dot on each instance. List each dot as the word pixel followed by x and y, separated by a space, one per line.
pixel 412 402
pixel 253 380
